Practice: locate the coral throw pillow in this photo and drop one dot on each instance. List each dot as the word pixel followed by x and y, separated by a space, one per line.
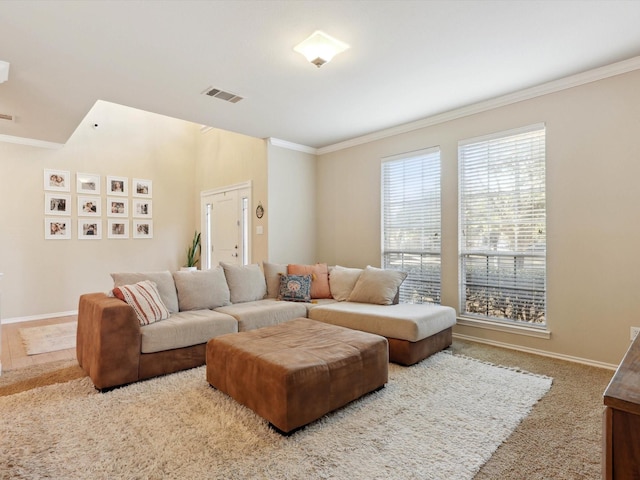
pixel 319 278
pixel 145 300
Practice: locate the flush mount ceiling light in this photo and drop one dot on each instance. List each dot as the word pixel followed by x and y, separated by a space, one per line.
pixel 4 71
pixel 320 48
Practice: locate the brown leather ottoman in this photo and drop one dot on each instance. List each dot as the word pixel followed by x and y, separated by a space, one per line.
pixel 295 372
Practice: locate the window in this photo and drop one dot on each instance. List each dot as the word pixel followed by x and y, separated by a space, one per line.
pixel 503 226
pixel 411 223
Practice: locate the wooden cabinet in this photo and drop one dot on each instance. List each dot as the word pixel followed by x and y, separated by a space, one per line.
pixel 621 440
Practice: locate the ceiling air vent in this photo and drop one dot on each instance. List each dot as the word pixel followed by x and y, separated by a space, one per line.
pixel 222 95
pixel 4 116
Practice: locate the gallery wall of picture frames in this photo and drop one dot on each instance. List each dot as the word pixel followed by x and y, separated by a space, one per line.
pixel 128 206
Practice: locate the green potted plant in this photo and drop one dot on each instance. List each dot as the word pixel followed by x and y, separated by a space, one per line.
pixel 193 253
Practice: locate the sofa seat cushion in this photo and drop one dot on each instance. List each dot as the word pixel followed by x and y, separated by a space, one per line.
pixel 263 313
pixel 317 302
pixel 185 329
pixel 403 321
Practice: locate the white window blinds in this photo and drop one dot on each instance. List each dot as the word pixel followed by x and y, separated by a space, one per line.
pixel 411 223
pixel 503 225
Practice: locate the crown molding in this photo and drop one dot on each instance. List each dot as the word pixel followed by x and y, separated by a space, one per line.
pixel 583 78
pixel 276 142
pixel 31 142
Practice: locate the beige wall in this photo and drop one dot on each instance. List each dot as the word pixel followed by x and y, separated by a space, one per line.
pixel 292 206
pixel 43 277
pixel 225 158
pixel 593 197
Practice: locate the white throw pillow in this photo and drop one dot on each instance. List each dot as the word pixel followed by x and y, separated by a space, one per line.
pixel 202 289
pixel 246 282
pixel 377 286
pixel 342 280
pixel 145 300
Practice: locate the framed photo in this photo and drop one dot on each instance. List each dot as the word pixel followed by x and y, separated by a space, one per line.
pixel 57 204
pixel 142 229
pixel 57 180
pixel 88 183
pixel 117 186
pixel 57 228
pixel 117 207
pixel 142 208
pixel 142 188
pixel 89 206
pixel 89 229
pixel 118 229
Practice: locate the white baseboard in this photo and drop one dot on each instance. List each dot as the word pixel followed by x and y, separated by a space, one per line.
pixel 39 317
pixel 535 351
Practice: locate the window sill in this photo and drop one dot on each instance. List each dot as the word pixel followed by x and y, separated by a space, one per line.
pixel 531 331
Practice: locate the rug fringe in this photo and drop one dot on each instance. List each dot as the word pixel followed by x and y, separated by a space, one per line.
pixel 513 369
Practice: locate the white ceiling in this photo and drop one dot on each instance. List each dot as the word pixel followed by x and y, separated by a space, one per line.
pixel 408 60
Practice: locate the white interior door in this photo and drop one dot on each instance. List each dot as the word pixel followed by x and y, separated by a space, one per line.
pixel 225 227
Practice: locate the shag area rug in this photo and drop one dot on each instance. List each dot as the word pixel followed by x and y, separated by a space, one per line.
pixel 440 419
pixel 49 338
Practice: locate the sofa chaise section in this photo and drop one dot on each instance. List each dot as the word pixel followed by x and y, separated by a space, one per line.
pixel 414 331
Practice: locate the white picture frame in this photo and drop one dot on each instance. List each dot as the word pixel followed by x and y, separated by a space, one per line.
pixel 89 206
pixel 142 188
pixel 88 183
pixel 142 208
pixel 89 229
pixel 118 228
pixel 143 229
pixel 57 228
pixel 117 207
pixel 57 180
pixel 117 186
pixel 57 204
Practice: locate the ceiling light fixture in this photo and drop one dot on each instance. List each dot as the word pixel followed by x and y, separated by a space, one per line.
pixel 320 48
pixel 4 71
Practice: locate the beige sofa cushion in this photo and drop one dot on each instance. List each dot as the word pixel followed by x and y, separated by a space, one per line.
pixel 263 313
pixel 378 286
pixel 185 329
pixel 342 280
pixel 411 322
pixel 246 282
pixel 202 289
pixel 272 272
pixel 163 280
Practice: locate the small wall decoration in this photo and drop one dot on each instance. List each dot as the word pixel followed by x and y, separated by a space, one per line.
pixel 89 229
pixel 117 186
pixel 57 180
pixel 142 208
pixel 57 228
pixel 117 207
pixel 89 206
pixel 259 210
pixel 57 204
pixel 118 229
pixel 142 188
pixel 88 183
pixel 142 229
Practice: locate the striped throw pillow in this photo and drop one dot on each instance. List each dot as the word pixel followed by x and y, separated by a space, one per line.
pixel 145 300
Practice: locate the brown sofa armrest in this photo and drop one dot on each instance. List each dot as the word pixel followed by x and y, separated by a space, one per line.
pixel 108 340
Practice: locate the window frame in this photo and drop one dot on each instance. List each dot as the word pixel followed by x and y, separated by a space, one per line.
pixel 519 256
pixel 428 258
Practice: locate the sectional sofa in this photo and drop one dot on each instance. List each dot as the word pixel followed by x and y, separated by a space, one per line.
pixel 156 323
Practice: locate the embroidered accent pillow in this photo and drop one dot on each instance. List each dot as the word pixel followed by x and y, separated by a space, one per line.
pixel 295 288
pixel 145 300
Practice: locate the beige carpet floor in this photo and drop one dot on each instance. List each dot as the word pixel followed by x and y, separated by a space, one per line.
pixel 560 439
